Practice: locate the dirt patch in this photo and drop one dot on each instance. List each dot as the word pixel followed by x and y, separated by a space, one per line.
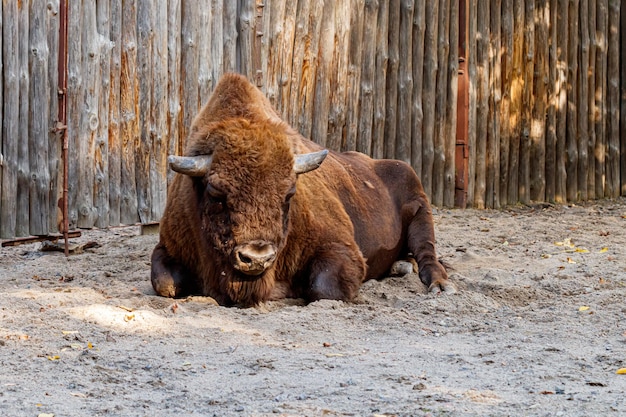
pixel 538 328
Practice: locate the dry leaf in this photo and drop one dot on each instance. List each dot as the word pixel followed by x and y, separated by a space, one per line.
pixel 69 331
pixel 45 415
pixel 334 355
pixel 130 310
pixel 546 256
pixel 567 243
pixel 54 358
pixel 581 250
pixel 89 345
pixel 570 260
pixel 583 308
pixel 621 371
pixel 604 249
pixel 129 317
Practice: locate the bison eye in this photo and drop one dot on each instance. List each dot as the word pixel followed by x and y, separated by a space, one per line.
pixel 214 192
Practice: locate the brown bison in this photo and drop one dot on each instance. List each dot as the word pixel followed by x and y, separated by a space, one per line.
pixel 257 212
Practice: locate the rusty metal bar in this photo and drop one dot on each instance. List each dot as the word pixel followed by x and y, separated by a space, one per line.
pixel 33 239
pixel 462 118
pixel 62 124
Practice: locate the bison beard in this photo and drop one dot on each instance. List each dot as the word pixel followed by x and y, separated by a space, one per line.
pixel 257 212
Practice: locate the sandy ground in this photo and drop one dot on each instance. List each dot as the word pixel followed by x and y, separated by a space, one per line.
pixel 538 328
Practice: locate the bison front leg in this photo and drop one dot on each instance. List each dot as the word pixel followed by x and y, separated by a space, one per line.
pixel 421 242
pixel 337 272
pixel 169 278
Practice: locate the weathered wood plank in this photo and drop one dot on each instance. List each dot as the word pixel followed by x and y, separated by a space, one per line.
pixel 159 116
pixel 600 119
pixel 560 191
pixel 321 104
pixel 10 118
pixel 517 90
pixel 55 168
pixel 145 74
pixel 613 101
pixel 492 186
pixel 190 66
pixel 217 42
pixel 23 180
pixel 368 68
pixel 443 51
pixel 115 144
pixel 553 95
pixel 417 107
pixel 101 157
pixel 622 103
pixel 506 74
pixel 355 50
pixel 245 40
pixel 275 39
pixel 174 113
pixel 206 63
pixel 129 107
pixel 583 99
pixel 429 94
pixel 449 169
pixel 391 99
pixel 540 85
pixel 572 101
pixel 286 53
pixel 528 102
pixel 381 61
pixel 229 30
pixel 473 101
pixel 482 101
pixel 405 82
pixel 591 100
pixel 339 78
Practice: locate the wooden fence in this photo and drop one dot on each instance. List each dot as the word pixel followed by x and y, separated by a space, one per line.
pixel 376 76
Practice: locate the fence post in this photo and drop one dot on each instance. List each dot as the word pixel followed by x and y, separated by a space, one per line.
pixel 462 118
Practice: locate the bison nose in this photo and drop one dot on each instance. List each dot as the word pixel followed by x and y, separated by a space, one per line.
pixel 254 258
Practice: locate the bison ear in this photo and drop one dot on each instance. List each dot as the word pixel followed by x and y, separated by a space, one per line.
pixel 306 162
pixel 194 166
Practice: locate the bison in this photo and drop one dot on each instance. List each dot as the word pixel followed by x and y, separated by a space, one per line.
pixel 257 212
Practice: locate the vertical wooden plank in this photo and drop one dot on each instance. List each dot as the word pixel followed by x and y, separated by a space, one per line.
pixel 429 93
pixel 245 19
pixel 354 74
pixel 391 114
pixel 560 191
pixel 405 82
pixel 217 40
pixel 55 167
pixel 10 118
pixel 174 50
pixel 298 52
pixel 517 90
pixel 339 78
pixel 129 107
pixel 1 118
pixel 206 62
pixel 321 104
pixel 528 102
pixel 22 197
pixel 229 28
pixel 583 100
pixel 540 83
pixel 417 108
pixel 262 42
pixel 101 180
pixel 506 74
pixel 553 95
pixel 275 54
pixel 366 112
pixel 591 81
pixel 306 85
pixel 473 99
pixel 115 140
pixel 492 182
pixel 613 101
pixel 286 54
pixel 145 74
pixel 572 101
pixel 450 135
pixel 380 83
pixel 482 104
pixel 190 67
pixel 159 113
pixel 600 119
pixel 622 69
pixel 443 50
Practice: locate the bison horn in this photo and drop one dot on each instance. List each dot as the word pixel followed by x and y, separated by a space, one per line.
pixel 194 166
pixel 309 161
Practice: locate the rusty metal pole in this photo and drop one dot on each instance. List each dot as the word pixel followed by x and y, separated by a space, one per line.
pixel 462 118
pixel 62 123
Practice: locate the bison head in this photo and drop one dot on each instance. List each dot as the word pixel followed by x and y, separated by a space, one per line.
pixel 244 176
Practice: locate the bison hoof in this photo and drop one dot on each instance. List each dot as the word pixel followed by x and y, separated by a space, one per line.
pixel 442 287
